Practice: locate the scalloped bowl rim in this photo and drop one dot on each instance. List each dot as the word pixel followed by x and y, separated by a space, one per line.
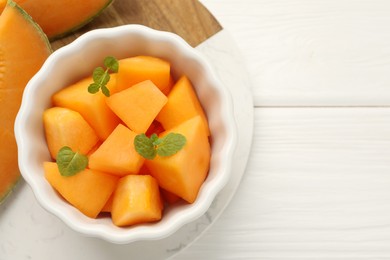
pixel 97 228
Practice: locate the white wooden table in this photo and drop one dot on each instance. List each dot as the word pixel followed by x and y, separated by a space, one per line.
pixel 317 184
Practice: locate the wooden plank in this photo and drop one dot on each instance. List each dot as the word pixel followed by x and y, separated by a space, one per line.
pixel 312 53
pixel 316 187
pixel 187 18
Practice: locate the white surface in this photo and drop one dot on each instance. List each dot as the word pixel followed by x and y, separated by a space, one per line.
pixel 318 179
pixel 317 187
pixel 312 52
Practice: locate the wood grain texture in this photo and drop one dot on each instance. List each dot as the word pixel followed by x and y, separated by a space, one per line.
pixel 187 18
pixel 312 53
pixel 316 187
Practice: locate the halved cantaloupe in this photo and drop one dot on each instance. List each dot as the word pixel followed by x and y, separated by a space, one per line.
pixel 23 49
pixel 184 172
pixel 140 68
pixel 182 105
pixel 87 190
pixel 65 127
pixel 117 155
pixel 92 107
pixel 138 106
pixel 136 200
pixel 58 18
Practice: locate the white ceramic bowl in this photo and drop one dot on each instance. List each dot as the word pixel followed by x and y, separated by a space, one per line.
pixel 77 60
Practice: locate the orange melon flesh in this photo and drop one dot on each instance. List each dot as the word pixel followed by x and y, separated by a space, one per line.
pixel 136 200
pixel 169 197
pixel 154 128
pixel 65 127
pixel 88 190
pixel 108 206
pixel 23 49
pixel 138 106
pixel 3 3
pixel 184 172
pixel 182 105
pixel 117 155
pixel 140 68
pixel 169 87
pixel 92 107
pixel 58 18
pixel 144 170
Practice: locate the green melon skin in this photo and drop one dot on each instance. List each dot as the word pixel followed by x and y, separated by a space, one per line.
pixel 82 24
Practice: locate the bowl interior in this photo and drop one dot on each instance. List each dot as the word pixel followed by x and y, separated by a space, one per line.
pixel 77 60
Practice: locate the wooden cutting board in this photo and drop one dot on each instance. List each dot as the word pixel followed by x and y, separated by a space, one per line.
pixel 187 18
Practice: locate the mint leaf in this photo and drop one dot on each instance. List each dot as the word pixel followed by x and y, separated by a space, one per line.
pixel 170 144
pixel 105 91
pixel 154 139
pixel 111 63
pixel 144 146
pixel 70 163
pixel 165 146
pixel 93 88
pixel 98 74
pixel 101 76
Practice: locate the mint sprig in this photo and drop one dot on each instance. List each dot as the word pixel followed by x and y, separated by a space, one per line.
pixel 167 145
pixel 101 76
pixel 70 163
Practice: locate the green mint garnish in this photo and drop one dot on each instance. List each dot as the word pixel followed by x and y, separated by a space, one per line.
pixel 165 146
pixel 70 163
pixel 101 76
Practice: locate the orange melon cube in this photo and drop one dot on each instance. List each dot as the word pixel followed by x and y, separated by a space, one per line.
pixel 117 155
pixel 108 206
pixel 65 127
pixel 182 104
pixel 169 197
pixel 169 87
pixel 136 200
pixel 140 68
pixel 92 107
pixel 184 172
pixel 88 190
pixel 154 128
pixel 144 170
pixel 138 106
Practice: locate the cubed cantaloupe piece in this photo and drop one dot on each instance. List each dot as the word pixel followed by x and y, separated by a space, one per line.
pixel 169 197
pixel 154 128
pixel 182 104
pixel 144 170
pixel 138 106
pixel 169 87
pixel 108 206
pixel 136 200
pixel 92 107
pixel 184 172
pixel 136 69
pixel 117 155
pixel 65 127
pixel 88 190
